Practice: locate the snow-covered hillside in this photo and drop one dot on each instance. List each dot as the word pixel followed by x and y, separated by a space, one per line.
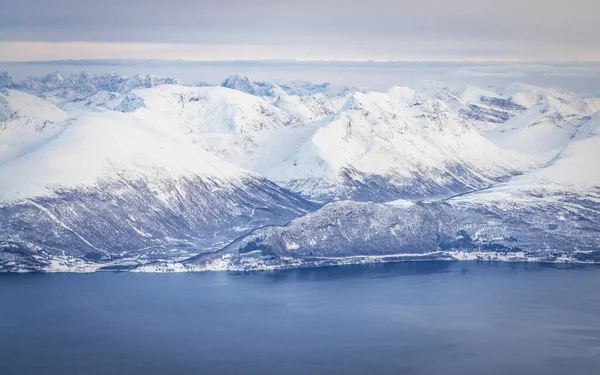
pixel 304 100
pixel 144 172
pixel 259 88
pixel 549 122
pixel 523 118
pixel 552 214
pixel 240 128
pixel 25 121
pixel 59 89
pixel 485 108
pixel 295 88
pixel 398 143
pixel 376 146
pixel 113 186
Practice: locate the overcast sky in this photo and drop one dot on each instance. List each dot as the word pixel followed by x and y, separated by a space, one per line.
pixel 304 29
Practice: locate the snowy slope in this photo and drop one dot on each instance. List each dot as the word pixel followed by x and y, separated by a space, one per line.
pixel 240 128
pixel 304 100
pixel 106 145
pixel 59 89
pixel 243 129
pixel 309 108
pixel 593 104
pixel 259 88
pixel 25 121
pixel 125 176
pixel 573 171
pixel 551 214
pixel 104 100
pixel 294 88
pixel 549 122
pixel 404 139
pixel 377 146
pixel 521 117
pixel 111 186
pixel 484 108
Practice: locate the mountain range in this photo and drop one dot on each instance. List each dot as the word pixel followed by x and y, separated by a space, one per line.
pixel 154 174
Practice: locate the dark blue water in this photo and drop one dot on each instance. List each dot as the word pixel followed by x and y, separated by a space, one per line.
pixel 406 318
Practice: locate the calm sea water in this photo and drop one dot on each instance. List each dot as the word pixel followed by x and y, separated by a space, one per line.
pixel 404 318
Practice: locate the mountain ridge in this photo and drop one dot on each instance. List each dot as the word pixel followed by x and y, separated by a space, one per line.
pixel 172 177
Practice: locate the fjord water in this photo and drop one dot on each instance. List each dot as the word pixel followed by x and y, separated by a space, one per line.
pixel 403 318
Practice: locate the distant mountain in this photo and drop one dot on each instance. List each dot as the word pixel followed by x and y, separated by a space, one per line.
pixel 304 100
pixel 383 146
pixel 258 88
pixel 484 108
pixel 296 88
pixel 523 118
pixel 550 121
pixel 58 88
pixel 238 127
pixel 244 129
pixel 304 88
pixel 6 81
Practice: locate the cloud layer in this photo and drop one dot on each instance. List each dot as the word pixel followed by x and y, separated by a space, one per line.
pixel 309 29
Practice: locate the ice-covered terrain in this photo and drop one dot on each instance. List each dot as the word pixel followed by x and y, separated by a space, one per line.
pixel 112 186
pixel 399 143
pixel 552 214
pixel 550 120
pixel 59 89
pixel 26 120
pixel 374 146
pixel 151 174
pixel 521 117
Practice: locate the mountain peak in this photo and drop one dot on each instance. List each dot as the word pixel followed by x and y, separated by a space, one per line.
pixel 6 80
pixel 53 77
pixel 235 80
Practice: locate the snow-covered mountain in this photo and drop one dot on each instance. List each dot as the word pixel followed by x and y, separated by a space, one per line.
pixel 295 88
pixel 6 81
pixel 549 122
pixel 25 121
pixel 521 117
pixel 142 173
pixel 377 146
pixel 111 186
pixel 304 100
pixel 401 143
pixel 552 214
pixel 310 108
pixel 59 89
pixel 238 127
pixel 485 108
pixel 328 89
pixel 244 84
